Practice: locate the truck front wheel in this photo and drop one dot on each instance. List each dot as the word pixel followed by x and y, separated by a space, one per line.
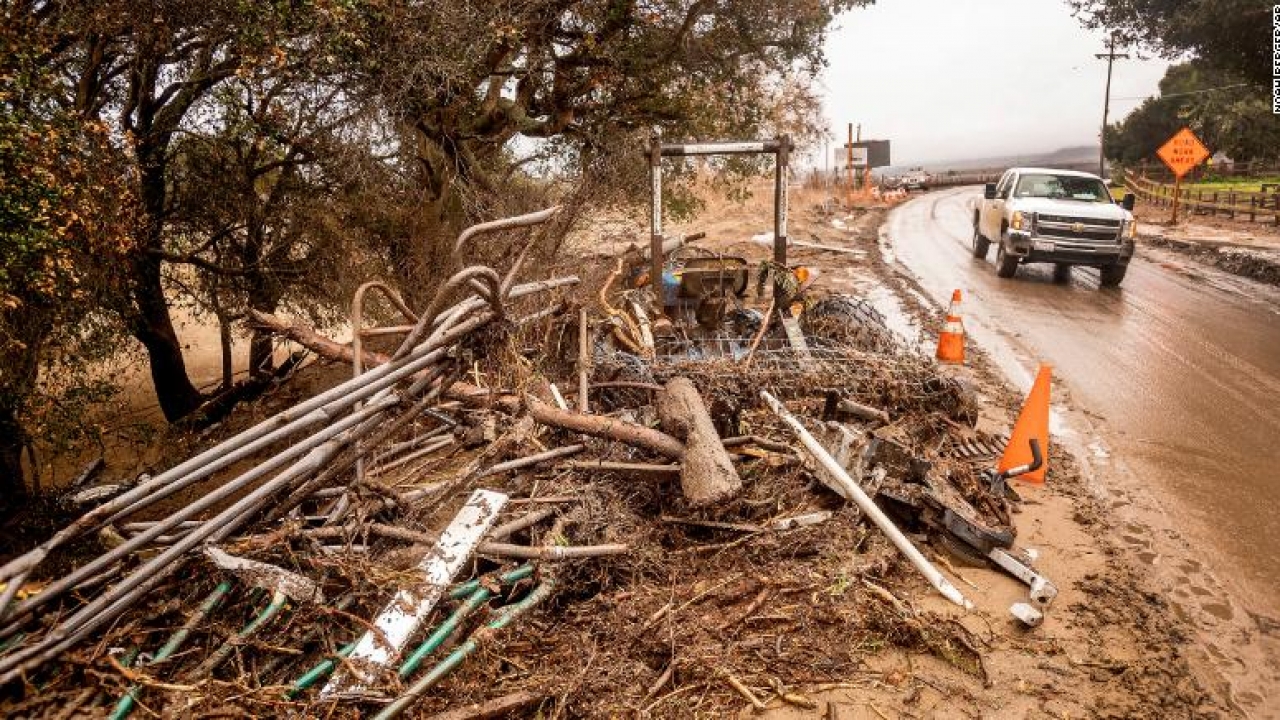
pixel 1006 264
pixel 1112 275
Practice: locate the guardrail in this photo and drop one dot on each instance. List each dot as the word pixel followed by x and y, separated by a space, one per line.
pixel 1250 206
pixel 978 178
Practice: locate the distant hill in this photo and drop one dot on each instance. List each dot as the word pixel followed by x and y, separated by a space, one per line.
pixel 1083 157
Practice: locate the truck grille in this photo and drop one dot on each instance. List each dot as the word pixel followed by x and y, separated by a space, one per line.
pixel 1069 228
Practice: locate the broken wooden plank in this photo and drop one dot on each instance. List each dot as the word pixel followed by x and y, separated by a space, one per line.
pixel 409 608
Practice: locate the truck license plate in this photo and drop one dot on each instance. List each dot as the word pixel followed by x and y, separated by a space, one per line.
pixel 1043 245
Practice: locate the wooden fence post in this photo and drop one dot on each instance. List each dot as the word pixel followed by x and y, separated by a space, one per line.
pixel 1231 199
pixel 1253 208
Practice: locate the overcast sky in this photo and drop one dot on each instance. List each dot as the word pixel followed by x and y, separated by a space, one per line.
pixel 959 79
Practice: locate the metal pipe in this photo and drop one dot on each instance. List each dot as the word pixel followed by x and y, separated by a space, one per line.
pixel 509 577
pixel 534 218
pixel 473 601
pixel 437 303
pixel 114 601
pixel 11 591
pixel 780 212
pixel 401 447
pixel 121 596
pixel 219 656
pixel 656 258
pixel 136 527
pixel 309 412
pixel 433 447
pixel 204 502
pixel 455 658
pixel 854 492
pixel 320 671
pixel 720 148
pixel 313 632
pixel 206 608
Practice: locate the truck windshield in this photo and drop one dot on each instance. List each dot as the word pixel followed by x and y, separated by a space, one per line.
pixel 1062 187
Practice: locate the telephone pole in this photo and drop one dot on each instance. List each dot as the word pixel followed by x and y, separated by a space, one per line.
pixel 1111 56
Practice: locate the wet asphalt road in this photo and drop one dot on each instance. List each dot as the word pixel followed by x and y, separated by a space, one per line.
pixel 1177 371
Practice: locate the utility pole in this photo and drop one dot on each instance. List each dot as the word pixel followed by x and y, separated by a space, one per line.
pixel 849 162
pixel 1110 56
pixel 826 163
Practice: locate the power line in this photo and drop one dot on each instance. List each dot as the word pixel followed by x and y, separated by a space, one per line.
pixel 1189 92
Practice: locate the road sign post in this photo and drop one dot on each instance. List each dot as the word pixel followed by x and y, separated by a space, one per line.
pixel 1181 153
pixel 849 165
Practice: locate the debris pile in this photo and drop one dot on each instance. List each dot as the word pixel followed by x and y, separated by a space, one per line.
pixel 585 497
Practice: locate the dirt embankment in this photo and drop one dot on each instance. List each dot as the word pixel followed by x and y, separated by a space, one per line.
pixel 1248 250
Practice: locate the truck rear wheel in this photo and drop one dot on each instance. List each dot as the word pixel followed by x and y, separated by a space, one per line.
pixel 1112 275
pixel 1006 264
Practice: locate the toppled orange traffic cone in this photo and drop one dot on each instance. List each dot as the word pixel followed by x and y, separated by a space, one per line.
pixel 1033 422
pixel 951 339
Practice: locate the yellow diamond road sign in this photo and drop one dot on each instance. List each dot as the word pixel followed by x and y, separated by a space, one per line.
pixel 1182 152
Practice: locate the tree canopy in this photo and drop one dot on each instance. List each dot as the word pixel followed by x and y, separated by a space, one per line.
pixel 1232 35
pixel 233 156
pixel 1235 120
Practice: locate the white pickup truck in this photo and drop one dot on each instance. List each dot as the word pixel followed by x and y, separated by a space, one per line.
pixel 915 179
pixel 1054 216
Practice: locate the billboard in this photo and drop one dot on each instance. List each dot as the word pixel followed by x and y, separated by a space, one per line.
pixel 866 153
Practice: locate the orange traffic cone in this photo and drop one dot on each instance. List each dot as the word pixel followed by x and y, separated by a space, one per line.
pixel 951 339
pixel 1033 422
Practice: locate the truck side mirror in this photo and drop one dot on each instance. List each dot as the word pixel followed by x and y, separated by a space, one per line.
pixel 989 191
pixel 1127 201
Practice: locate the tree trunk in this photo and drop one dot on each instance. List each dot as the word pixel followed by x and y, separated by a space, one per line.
pixel 707 475
pixel 17 378
pixel 261 347
pixel 148 315
pixel 13 483
pixel 152 326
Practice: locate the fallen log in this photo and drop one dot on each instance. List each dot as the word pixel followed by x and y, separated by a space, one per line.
pixel 707 474
pixel 606 427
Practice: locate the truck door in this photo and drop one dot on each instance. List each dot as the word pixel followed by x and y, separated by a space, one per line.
pixel 993 210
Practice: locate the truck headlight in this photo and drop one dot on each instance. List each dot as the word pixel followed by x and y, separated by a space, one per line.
pixel 1131 228
pixel 1021 221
